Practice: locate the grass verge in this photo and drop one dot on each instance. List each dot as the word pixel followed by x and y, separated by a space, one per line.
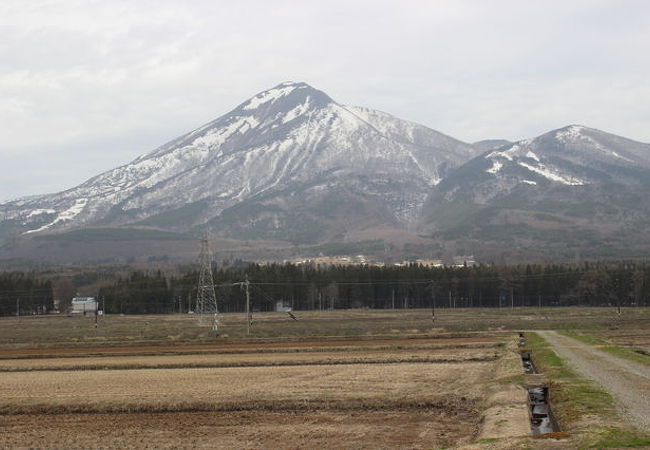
pixel 606 346
pixel 580 404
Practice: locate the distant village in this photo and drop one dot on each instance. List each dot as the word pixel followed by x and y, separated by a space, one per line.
pixel 362 260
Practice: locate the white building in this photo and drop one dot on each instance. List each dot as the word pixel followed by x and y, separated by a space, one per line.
pixel 84 305
pixel 280 306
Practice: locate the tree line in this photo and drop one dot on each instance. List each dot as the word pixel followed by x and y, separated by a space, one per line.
pixel 312 287
pixel 24 294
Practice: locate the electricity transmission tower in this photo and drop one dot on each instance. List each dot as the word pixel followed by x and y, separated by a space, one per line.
pixel 206 298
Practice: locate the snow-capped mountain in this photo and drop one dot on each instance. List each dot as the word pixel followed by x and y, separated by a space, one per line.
pixel 287 155
pixel 292 166
pixel 490 144
pixel 574 155
pixel 575 186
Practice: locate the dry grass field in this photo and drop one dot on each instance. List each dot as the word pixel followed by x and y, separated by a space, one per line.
pixel 250 388
pixel 243 429
pixel 352 393
pixel 335 379
pixel 49 331
pixel 415 352
pixel 636 339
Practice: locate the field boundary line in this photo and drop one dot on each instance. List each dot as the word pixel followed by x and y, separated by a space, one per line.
pixel 251 365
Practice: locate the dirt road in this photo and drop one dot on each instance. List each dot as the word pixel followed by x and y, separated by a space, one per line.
pixel 627 381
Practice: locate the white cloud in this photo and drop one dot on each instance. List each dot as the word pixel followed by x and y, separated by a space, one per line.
pixel 90 85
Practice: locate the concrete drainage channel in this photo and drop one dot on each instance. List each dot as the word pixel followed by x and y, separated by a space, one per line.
pixel 539 408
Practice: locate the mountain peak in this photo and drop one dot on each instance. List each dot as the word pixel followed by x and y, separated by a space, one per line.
pixel 570 132
pixel 237 171
pixel 291 92
pixel 293 83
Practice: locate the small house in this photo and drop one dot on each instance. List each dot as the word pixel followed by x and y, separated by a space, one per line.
pixel 84 305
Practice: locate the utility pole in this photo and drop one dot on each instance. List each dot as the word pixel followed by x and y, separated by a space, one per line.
pixel 618 298
pixel 433 303
pixel 18 308
pixel 512 298
pixel 393 298
pixel 247 283
pixel 206 298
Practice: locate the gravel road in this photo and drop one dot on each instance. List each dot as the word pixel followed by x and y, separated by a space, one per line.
pixel 627 381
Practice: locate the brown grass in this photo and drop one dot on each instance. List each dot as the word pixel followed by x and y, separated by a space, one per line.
pixel 224 346
pixel 182 328
pixel 249 359
pixel 318 353
pixel 418 391
pixel 359 379
pixel 242 429
pixel 239 388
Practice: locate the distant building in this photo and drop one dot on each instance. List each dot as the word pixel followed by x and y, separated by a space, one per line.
pixel 84 305
pixel 465 260
pixel 359 260
pixel 281 306
pixel 421 262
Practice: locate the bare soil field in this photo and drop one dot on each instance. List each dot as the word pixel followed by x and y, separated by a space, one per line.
pixel 320 356
pixel 277 345
pixel 414 392
pixel 241 429
pixel 335 379
pixel 224 389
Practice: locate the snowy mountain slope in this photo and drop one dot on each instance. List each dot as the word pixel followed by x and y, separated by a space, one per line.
pixel 490 144
pixel 292 166
pixel 574 155
pixel 573 186
pixel 274 142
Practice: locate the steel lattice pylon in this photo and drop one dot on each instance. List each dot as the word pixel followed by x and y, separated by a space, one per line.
pixel 206 297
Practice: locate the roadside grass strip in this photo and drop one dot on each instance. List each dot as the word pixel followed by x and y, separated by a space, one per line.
pixel 606 346
pixel 580 405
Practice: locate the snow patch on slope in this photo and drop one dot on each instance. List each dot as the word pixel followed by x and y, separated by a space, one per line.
pixel 38 212
pixel 507 154
pixel 219 136
pixel 569 134
pixel 270 95
pixel 532 155
pixel 496 166
pixel 66 215
pixel 552 175
pixel 297 111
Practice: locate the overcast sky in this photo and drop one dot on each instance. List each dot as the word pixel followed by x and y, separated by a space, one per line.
pixel 87 85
